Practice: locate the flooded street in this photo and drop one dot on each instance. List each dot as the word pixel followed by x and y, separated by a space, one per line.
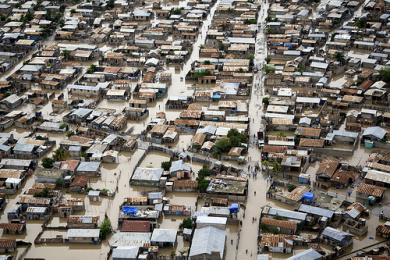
pixel 257 187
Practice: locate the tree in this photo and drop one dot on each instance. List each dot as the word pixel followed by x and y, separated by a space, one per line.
pixel 43 193
pixel 60 183
pixel 265 101
pixel 91 69
pixel 166 165
pixel 385 74
pixel 250 57
pixel 202 182
pixel 269 69
pixel 60 154
pixel 66 54
pixel 27 17
pixel 204 172
pixel 272 165
pixel 176 11
pixel 200 73
pixel 223 145
pixel 361 22
pixel 340 57
pixel 105 228
pixel 250 21
pixel 63 126
pixel 110 4
pixel 291 188
pixel 186 223
pixel 236 138
pixel 47 162
pixel 203 185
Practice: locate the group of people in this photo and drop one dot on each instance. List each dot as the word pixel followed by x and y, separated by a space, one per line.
pixel 254 170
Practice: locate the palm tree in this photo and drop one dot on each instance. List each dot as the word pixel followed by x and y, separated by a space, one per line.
pixel 60 154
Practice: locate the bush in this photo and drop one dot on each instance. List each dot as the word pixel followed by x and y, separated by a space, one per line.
pixel 47 162
pixel 250 21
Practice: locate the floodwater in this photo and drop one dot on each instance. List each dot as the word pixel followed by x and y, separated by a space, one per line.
pixel 241 241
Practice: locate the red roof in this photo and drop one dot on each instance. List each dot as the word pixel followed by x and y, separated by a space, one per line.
pixel 136 226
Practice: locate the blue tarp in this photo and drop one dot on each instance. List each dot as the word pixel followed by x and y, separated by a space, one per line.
pixel 234 208
pixel 129 210
pixel 308 196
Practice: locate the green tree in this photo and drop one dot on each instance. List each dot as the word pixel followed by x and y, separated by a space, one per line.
pixel 265 101
pixel 200 73
pixel 223 145
pixel 236 138
pixel 269 69
pixel 60 154
pixel 60 183
pixel 202 182
pixel 203 185
pixel 66 54
pixel 166 165
pixel 250 21
pixel 385 74
pixel 361 23
pixel 339 56
pixel 186 223
pixel 204 172
pixel 176 11
pixel 43 193
pixel 47 162
pixel 91 69
pixel 291 187
pixel 105 228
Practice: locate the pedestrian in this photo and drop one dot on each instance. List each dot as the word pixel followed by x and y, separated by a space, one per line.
pixel 254 193
pixel 246 251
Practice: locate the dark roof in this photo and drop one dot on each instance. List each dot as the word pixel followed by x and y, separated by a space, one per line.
pixel 7 243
